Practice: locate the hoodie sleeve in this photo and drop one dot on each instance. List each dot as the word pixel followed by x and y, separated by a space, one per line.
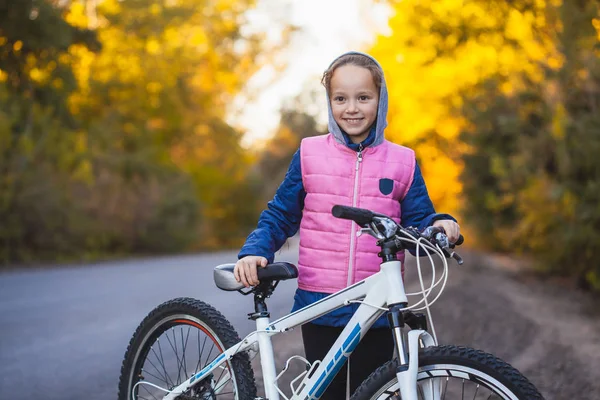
pixel 417 208
pixel 281 219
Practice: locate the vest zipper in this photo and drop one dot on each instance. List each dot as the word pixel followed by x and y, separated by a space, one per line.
pixel 359 158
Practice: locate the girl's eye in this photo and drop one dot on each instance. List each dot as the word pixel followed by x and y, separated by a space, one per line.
pixel 363 98
pixel 338 99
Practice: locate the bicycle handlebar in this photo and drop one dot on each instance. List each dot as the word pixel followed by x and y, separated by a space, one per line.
pixel 359 215
pixel 364 218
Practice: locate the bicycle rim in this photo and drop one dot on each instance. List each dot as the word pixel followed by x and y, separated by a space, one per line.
pixel 452 382
pixel 452 373
pixel 177 347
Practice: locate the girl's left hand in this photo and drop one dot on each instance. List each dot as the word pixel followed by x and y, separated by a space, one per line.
pixel 450 227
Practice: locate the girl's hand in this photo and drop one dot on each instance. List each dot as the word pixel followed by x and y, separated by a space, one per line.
pixel 245 270
pixel 450 227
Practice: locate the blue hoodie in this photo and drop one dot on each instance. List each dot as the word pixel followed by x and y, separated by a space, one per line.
pixel 281 219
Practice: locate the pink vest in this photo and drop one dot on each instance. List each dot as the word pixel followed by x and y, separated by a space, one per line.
pixel 331 256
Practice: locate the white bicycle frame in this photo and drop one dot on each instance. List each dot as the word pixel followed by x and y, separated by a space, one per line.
pixel 375 294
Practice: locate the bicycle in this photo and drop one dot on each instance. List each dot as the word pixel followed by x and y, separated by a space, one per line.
pixel 191 330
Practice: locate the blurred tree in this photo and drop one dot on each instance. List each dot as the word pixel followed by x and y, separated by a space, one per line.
pixel 38 143
pixel 125 148
pixel 509 91
pixel 436 52
pixel 532 170
pixel 295 124
pixel 155 98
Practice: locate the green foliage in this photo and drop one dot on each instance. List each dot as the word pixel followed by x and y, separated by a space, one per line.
pixel 33 36
pixel 37 139
pixel 531 174
pixel 112 129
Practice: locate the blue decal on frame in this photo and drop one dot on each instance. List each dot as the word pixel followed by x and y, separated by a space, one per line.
pixel 336 364
pixel 208 367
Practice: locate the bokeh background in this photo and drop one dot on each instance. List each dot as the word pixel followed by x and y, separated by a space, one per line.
pixel 141 139
pixel 137 127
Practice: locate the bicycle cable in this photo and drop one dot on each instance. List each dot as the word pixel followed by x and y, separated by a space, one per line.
pixel 421 243
pixel 133 396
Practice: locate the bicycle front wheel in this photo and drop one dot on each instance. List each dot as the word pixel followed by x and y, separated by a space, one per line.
pixel 452 372
pixel 176 340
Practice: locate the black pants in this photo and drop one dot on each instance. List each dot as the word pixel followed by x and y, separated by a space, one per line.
pixel 374 350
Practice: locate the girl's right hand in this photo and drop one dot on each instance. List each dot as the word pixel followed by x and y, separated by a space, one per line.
pixel 245 269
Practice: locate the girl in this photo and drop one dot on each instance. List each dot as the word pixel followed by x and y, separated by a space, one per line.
pixel 352 165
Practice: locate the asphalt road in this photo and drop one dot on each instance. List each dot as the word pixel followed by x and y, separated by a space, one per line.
pixel 64 330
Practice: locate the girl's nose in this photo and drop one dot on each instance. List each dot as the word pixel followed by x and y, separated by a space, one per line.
pixel 351 107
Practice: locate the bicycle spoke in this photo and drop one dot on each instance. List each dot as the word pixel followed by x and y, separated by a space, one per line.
pixel 180 344
pixel 174 348
pixel 421 390
pixel 178 359
pixel 223 370
pixel 454 388
pixel 150 393
pixel 476 390
pixel 146 371
pixel 445 389
pixel 173 326
pixel 184 345
pixel 200 351
pixel 154 376
pixel 227 378
pixel 163 364
pixel 218 392
pixel 163 378
pixel 208 357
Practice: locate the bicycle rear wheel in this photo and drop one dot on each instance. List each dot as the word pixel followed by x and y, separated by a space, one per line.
pixel 456 373
pixel 176 340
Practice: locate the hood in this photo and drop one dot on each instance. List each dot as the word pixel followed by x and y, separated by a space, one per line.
pixel 381 122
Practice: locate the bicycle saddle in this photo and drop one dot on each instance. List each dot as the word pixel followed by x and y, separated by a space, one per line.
pixel 279 271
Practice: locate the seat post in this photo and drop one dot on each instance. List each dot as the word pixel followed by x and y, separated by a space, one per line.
pixel 261 292
pixel 265 347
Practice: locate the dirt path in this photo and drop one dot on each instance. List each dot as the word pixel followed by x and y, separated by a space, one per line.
pixel 549 332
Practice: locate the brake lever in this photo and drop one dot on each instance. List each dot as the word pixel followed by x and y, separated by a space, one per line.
pixel 364 230
pixel 380 228
pixel 454 255
pixel 440 238
pixel 458 258
pixel 370 232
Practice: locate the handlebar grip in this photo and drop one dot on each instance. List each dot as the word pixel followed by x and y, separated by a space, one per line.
pixel 359 215
pixel 460 240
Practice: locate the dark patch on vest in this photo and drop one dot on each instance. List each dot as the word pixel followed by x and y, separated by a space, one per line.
pixel 386 186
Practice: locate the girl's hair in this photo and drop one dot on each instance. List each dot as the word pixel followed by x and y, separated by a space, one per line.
pixel 358 60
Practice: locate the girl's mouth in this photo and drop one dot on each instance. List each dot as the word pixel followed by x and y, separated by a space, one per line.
pixel 353 121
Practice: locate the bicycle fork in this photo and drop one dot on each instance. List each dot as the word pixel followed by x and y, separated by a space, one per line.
pixel 408 357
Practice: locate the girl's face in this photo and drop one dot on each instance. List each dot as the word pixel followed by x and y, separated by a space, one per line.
pixel 354 99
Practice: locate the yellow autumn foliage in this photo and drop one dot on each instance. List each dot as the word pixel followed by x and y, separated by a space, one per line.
pixel 437 51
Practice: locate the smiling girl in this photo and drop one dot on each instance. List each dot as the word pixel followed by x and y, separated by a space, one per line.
pixel 353 165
